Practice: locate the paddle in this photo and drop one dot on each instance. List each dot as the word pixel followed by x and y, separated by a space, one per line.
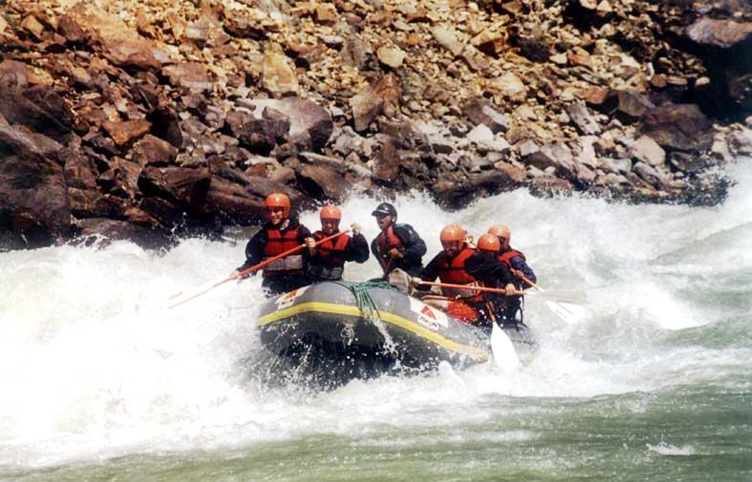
pixel 561 296
pixel 184 296
pixel 502 348
pixel 569 310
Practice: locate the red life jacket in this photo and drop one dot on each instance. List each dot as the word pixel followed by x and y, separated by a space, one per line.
pixel 331 257
pixel 506 258
pixel 387 240
pixel 453 271
pixel 277 243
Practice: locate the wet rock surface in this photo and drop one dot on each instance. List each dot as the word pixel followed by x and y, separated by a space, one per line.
pixel 155 119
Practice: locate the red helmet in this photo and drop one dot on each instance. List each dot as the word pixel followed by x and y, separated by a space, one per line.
pixel 501 231
pixel 453 232
pixel 489 242
pixel 278 200
pixel 331 212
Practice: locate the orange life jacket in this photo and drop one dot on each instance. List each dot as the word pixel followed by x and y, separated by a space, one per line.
pixel 331 254
pixel 453 271
pixel 387 240
pixel 506 258
pixel 277 243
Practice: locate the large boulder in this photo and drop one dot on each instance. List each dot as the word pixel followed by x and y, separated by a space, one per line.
pixel 679 127
pixel 725 47
pixel 483 111
pixel 310 125
pixel 33 195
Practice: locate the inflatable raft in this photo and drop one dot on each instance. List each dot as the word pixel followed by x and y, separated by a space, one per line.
pixel 337 331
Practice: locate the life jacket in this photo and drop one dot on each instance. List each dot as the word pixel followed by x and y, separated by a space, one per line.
pixel 277 243
pixel 331 257
pixel 506 258
pixel 453 271
pixel 387 240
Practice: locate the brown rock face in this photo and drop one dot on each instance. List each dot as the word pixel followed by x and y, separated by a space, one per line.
pixel 33 193
pixel 380 97
pixel 719 33
pixel 681 127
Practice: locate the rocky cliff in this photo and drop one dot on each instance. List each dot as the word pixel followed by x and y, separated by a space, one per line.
pixel 150 119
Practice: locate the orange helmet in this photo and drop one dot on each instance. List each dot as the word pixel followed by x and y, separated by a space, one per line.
pixel 501 231
pixel 453 232
pixel 489 242
pixel 278 200
pixel 331 212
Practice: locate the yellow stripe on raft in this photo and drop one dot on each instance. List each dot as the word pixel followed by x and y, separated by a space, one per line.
pixel 391 318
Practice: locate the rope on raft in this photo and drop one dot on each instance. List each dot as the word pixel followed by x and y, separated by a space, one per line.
pixel 363 298
pixel 367 306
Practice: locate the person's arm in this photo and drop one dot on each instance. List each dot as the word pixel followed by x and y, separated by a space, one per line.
pixel 357 249
pixel 520 265
pixel 303 234
pixel 414 246
pixel 431 271
pixel 254 250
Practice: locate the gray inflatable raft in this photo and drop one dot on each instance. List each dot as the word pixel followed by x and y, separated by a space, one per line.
pixel 339 331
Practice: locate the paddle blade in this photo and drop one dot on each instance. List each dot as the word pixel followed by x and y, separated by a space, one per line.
pixel 569 312
pixel 503 350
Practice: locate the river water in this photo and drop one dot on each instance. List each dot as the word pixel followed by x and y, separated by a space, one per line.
pixel 98 381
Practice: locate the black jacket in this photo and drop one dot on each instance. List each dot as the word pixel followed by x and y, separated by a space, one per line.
pixel 414 249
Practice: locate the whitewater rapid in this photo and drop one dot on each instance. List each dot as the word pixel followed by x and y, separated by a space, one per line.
pixel 92 365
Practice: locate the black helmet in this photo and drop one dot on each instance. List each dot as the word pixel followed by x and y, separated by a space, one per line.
pixel 384 209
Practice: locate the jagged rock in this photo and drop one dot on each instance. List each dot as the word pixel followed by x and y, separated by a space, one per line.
pixel 483 111
pixel 409 135
pixel 448 39
pixel 33 194
pixel 550 186
pixel 380 97
pixel 70 29
pixel 681 127
pixel 277 76
pixel 391 56
pixel 480 134
pixel 388 162
pixel 184 188
pixel 153 151
pixel 189 75
pixel 689 162
pixel 38 108
pixel 356 52
pixel 650 174
pixel 741 141
pixel 645 149
pixel 582 118
pixel 99 229
pixel 80 171
pixel 511 86
pixel 121 45
pixel 322 182
pixel 632 105
pixel 556 155
pixel 89 203
pixel 719 33
pixel 125 132
pixel 311 125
